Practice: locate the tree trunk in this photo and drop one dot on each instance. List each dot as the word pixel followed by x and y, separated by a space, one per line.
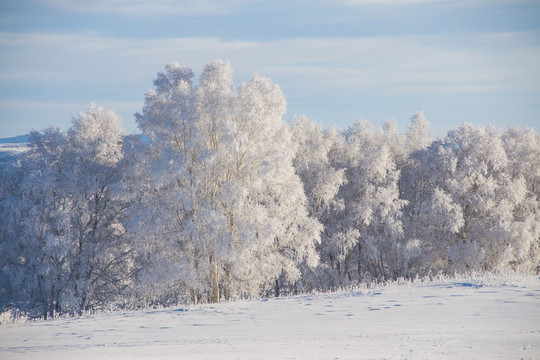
pixel 228 283
pixel 347 265
pixel 359 262
pixel 213 294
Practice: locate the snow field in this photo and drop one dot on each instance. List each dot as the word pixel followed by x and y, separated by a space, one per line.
pixel 440 320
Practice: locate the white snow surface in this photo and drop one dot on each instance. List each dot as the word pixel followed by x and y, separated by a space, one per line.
pixel 445 319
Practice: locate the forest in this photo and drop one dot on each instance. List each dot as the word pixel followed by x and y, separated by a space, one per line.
pixel 218 199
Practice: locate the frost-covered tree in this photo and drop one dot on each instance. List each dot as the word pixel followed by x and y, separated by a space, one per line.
pixel 522 149
pixel 67 244
pixel 416 185
pixel 11 231
pixel 418 135
pixel 228 211
pixel 470 197
pixel 321 184
pixel 374 205
pixel 477 181
pixel 321 181
pixel 364 239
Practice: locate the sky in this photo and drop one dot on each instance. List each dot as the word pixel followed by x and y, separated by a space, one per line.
pixel 336 61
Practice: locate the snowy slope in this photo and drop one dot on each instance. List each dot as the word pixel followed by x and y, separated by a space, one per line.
pixel 475 319
pixel 12 147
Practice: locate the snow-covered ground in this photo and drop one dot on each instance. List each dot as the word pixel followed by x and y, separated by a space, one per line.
pixel 469 319
pixel 10 150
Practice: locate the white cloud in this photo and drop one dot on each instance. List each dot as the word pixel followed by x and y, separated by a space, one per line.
pixel 464 3
pixel 115 72
pixel 148 7
pixel 471 62
pixel 394 2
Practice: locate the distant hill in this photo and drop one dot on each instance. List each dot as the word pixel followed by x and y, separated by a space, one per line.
pixel 15 140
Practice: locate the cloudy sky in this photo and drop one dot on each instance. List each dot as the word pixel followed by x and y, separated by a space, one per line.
pixel 460 61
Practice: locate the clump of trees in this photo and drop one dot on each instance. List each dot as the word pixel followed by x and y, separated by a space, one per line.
pixel 220 199
pixel 221 207
pixel 64 245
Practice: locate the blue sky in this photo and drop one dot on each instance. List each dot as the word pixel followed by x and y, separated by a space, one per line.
pixel 460 61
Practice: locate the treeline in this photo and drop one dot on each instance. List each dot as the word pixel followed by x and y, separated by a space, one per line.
pixel 221 199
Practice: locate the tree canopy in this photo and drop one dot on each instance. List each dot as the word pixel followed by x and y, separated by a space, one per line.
pixel 219 198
